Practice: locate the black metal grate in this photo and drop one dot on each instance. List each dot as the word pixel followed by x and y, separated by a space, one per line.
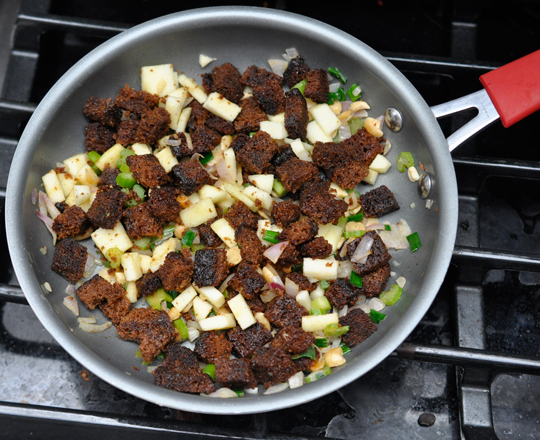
pixel 461 362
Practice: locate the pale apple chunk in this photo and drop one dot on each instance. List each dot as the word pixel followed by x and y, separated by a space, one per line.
pixel 212 295
pixel 201 308
pixel 117 237
pixel 87 176
pixel 380 164
pixel 241 311
pixel 53 188
pixel 182 300
pixel 167 159
pixel 67 182
pixel 239 195
pixel 316 134
pixel 221 106
pixel 110 157
pixel 198 213
pixel 161 251
pixel 211 192
pixel 175 103
pixel 275 129
pixel 316 323
pixel 159 80
pixel 132 266
pixel 298 148
pixel 193 88
pixel 219 322
pixel 326 118
pixel 131 291
pixel 224 231
pixel 371 178
pixel 183 120
pixel 259 197
pixel 140 149
pixel 73 164
pixel 320 269
pixel 264 182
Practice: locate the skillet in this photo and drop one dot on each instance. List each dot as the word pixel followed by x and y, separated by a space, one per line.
pixel 242 36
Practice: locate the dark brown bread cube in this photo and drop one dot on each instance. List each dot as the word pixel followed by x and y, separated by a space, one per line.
pixel 296 71
pixel 341 293
pixel 257 152
pixel 211 267
pixel 181 358
pixel 270 96
pixel 69 260
pixel 140 222
pixel 373 283
pixel 285 312
pixel 316 202
pixel 295 172
pixel 163 204
pixel 179 145
pixel 135 101
pixel 239 141
pixel 148 284
pixel 176 271
pixel 211 346
pixel 329 155
pixel 110 298
pixel 284 154
pixel 349 174
pixel 208 237
pixel 378 202
pixel 108 177
pixel 271 366
pixel 299 232
pixel 304 363
pixel 363 146
pixel 106 209
pixel 296 115
pixel 251 247
pixel 220 125
pixel 379 254
pixel 292 340
pixel 103 111
pixel 245 342
pixel 153 126
pixel 147 170
pixel 317 85
pixel 98 137
pixel 204 139
pixel 226 80
pixel 240 215
pixel 235 373
pixel 288 257
pixel 247 280
pixel 301 281
pixel 190 176
pixel 256 305
pixel 250 116
pixel 284 213
pixel 198 116
pixel 71 223
pixel 360 325
pixel 316 248
pixel 151 328
pixel 254 74
pixel 127 132
pixel 61 206
pixel 184 382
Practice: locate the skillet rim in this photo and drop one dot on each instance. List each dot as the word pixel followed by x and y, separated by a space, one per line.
pixel 16 195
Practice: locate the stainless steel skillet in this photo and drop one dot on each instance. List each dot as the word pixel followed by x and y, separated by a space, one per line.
pixel 241 36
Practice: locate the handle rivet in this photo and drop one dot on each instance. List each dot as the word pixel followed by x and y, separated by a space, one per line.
pixel 425 184
pixel 393 119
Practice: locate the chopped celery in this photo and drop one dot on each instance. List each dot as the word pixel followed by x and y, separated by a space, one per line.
pixel 376 317
pixel 349 234
pixel 404 161
pixel 126 180
pixel 321 303
pixel 414 241
pixel 325 284
pixel 316 375
pixel 316 312
pixel 155 299
pixel 138 354
pixel 93 156
pixel 210 369
pixel 309 353
pixel 392 296
pixel 181 326
pixel 142 243
pixel 113 256
pixel 355 124
pixel 334 330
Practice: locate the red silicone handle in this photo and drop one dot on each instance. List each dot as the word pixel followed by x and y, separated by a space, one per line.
pixel 515 88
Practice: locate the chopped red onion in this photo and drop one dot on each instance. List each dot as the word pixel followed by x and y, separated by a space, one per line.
pixel 225 172
pixel 51 209
pixel 274 252
pixel 196 157
pixel 48 222
pixel 374 227
pixel 291 288
pixel 363 250
pixel 34 196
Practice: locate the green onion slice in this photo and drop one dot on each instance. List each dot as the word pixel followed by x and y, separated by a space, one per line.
pixel 279 188
pixel 270 236
pixel 188 238
pixel 376 317
pixel 309 353
pixel 321 303
pixel 206 158
pixel 349 234
pixel 335 71
pixel 387 227
pixel 354 92
pixel 321 342
pixel 210 369
pixel 334 330
pixel 404 161
pixel 414 241
pixel 356 280
pixel 157 297
pixel 301 86
pixel 346 349
pixel 325 284
pixel 392 296
pixel 356 217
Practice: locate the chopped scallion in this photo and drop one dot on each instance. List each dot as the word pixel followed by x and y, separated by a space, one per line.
pixel 321 303
pixel 301 86
pixel 240 392
pixel 188 238
pixel 376 317
pixel 345 348
pixel 337 96
pixel 181 326
pixel 321 342
pixel 414 241
pixel 387 227
pixel 356 280
pixel 279 188
pixel 309 353
pixel 354 92
pixel 210 369
pixel 206 158
pixel 270 236
pixel 349 234
pixel 356 217
pixel 335 71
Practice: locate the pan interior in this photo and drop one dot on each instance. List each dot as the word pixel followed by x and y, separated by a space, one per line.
pixel 241 36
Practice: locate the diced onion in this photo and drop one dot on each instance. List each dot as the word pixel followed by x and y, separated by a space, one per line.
pixel 48 223
pixel 374 226
pixel 291 288
pixel 278 388
pixel 225 172
pixel 292 52
pixel 34 196
pixel 296 380
pixel 401 282
pixel 71 303
pixel 274 252
pixel 88 320
pixel 333 88
pixel 93 328
pixel 278 66
pixel 344 131
pixel 363 250
pixel 376 304
pixel 345 268
pixel 277 283
pixel 222 393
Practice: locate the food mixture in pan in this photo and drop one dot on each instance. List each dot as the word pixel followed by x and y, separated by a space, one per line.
pixel 237 226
